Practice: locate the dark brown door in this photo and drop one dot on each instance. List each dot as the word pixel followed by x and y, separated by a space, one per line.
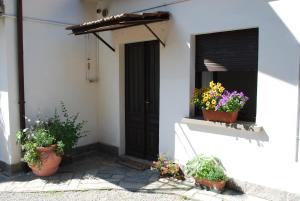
pixel 142 99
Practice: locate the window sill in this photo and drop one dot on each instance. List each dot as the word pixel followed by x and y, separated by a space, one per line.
pixel 240 125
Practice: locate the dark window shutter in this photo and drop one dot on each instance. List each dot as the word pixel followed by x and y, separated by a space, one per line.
pixel 227 51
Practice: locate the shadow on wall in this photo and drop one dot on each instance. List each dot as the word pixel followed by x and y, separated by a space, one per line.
pixel 282 40
pixel 188 144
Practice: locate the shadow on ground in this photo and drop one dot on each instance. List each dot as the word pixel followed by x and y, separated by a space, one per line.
pixel 103 172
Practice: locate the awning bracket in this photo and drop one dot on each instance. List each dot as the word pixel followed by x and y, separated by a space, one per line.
pixel 155 35
pixel 103 41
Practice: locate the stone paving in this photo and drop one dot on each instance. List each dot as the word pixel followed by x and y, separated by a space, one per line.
pixel 102 172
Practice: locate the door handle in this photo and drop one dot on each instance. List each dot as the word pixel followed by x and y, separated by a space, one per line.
pixel 147 102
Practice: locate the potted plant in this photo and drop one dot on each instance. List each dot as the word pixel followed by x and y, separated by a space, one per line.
pixel 218 104
pixel 208 172
pixel 45 142
pixel 168 168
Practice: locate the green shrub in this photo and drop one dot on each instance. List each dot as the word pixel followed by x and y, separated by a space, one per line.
pixel 204 167
pixel 66 129
pixel 63 132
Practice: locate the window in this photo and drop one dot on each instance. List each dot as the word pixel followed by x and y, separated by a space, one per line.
pixel 232 59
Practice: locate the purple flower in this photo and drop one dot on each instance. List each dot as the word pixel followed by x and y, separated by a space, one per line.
pixel 236 100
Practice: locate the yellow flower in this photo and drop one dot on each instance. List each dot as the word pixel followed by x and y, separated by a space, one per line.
pixel 205 95
pixel 207 103
pixel 221 89
pixel 207 108
pixel 213 102
pixel 219 84
pixel 211 84
pixel 204 100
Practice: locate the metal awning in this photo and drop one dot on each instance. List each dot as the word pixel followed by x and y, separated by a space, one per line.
pixel 120 22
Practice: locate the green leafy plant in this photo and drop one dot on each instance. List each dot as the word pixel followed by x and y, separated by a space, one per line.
pixel 34 137
pixel 66 129
pixel 168 168
pixel 62 132
pixel 206 167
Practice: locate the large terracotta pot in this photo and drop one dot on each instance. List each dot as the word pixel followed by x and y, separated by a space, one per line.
pixel 212 185
pixel 50 162
pixel 227 117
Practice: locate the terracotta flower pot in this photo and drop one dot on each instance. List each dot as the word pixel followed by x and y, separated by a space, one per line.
pixel 212 185
pixel 227 117
pixel 50 162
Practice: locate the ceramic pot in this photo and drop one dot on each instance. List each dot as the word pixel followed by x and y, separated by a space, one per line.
pixel 50 162
pixel 226 117
pixel 212 185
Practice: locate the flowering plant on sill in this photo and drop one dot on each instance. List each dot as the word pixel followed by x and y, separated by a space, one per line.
pixel 216 98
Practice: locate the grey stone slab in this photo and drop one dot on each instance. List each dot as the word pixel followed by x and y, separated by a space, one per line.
pixel 266 193
pixel 74 183
pixel 54 187
pixel 112 171
pixel 163 180
pixel 136 179
pixel 4 185
pixel 17 186
pixel 153 186
pixel 8 186
pixel 118 176
pixel 53 179
pixel 104 175
pixel 239 197
pixel 92 181
pixel 154 177
pixel 204 197
pixel 131 185
pixel 3 178
pixel 179 185
pixel 133 173
pixel 167 189
pixel 99 186
pixel 293 197
pixel 35 183
pixel 113 180
pixel 91 172
pixel 236 185
pixel 90 177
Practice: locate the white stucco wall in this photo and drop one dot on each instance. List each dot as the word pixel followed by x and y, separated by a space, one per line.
pixel 266 158
pixel 56 62
pixel 9 151
pixel 55 66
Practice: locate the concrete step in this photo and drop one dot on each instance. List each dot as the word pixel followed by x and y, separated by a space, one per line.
pixel 135 163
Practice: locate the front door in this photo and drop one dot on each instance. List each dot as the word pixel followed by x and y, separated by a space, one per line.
pixel 142 99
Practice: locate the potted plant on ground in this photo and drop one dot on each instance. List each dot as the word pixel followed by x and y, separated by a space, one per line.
pixel 208 172
pixel 168 168
pixel 45 142
pixel 218 104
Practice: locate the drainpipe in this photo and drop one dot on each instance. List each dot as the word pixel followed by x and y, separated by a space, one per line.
pixel 20 63
pixel 298 118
